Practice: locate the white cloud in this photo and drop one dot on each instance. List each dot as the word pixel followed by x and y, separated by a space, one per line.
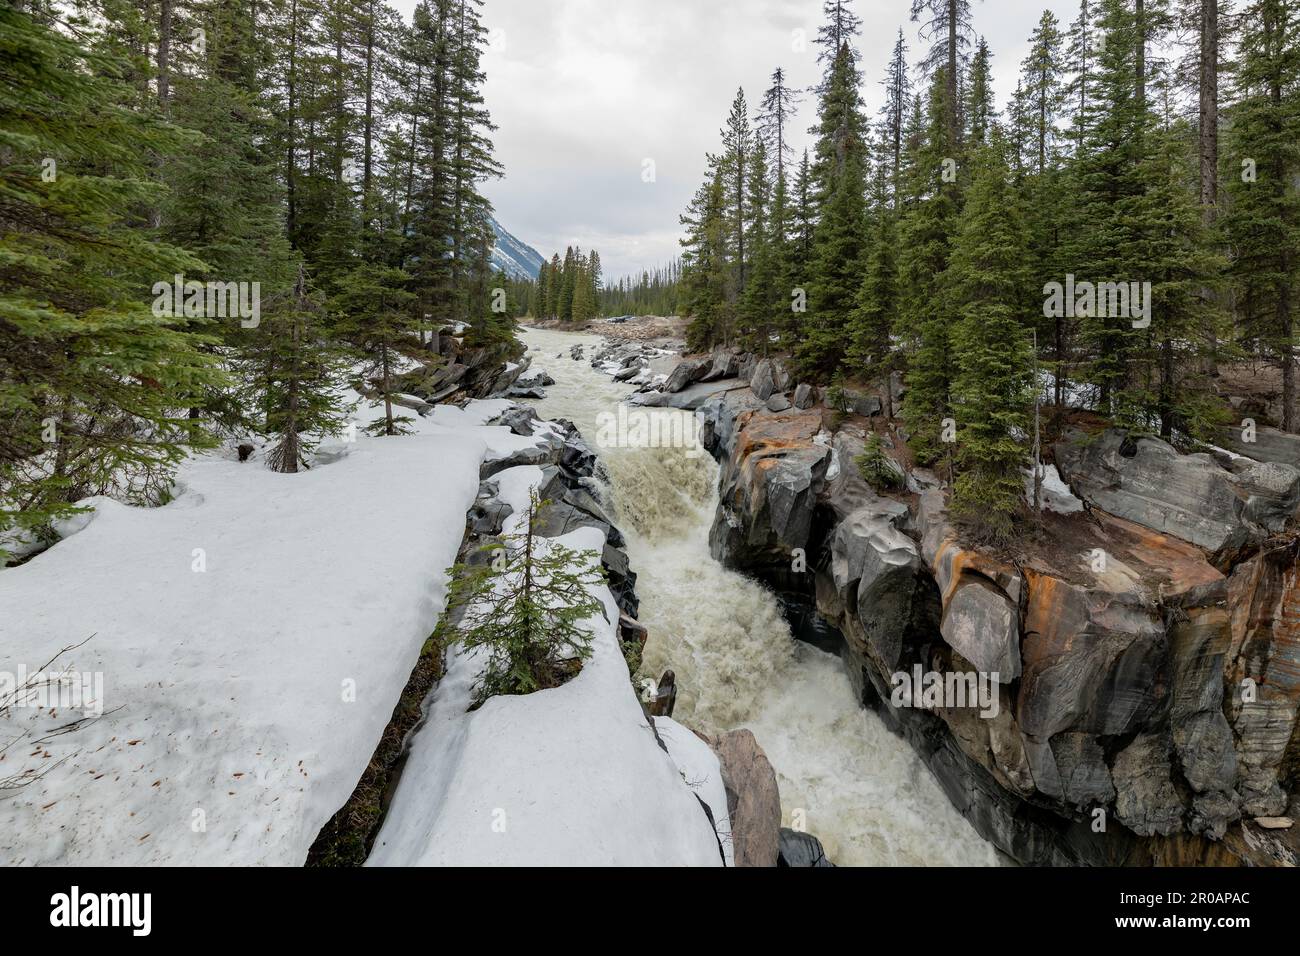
pixel 583 91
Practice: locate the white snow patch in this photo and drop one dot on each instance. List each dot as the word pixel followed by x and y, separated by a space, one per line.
pixel 702 772
pixel 1057 495
pixel 242 702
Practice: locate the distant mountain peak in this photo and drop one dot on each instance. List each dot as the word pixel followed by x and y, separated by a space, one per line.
pixel 513 256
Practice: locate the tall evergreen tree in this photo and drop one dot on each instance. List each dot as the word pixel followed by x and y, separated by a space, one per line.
pixel 1261 166
pixel 946 24
pixel 1109 215
pixel 898 96
pixel 91 377
pixel 992 384
pixel 775 114
pixel 737 147
pixel 872 320
pixel 704 267
pixel 838 244
pixel 925 234
pixel 980 112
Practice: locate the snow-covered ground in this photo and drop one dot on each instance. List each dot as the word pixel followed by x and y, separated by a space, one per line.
pixel 252 637
pixel 567 776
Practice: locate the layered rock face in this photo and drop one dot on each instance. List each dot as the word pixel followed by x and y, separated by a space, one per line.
pixel 1143 652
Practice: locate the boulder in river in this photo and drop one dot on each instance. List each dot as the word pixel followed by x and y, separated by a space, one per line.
pixel 769 490
pixel 799 849
pixel 753 800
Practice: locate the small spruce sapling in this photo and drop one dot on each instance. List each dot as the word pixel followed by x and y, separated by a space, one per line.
pixel 875 465
pixel 526 605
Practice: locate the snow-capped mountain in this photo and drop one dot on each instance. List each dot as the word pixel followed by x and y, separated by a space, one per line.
pixel 515 257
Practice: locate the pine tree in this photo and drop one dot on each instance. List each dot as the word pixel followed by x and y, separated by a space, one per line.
pixel 540 295
pixel 764 290
pixel 568 285
pixel 472 160
pixel 778 108
pixel 1109 218
pixel 947 24
pixel 705 271
pixel 898 95
pixel 584 295
pixel 555 287
pixel 992 384
pixel 1043 183
pixel 297 377
pixel 1041 74
pixel 737 146
pixel 924 321
pixel 876 467
pixel 91 377
pixel 1261 163
pixel 803 219
pixel 1171 392
pixel 225 201
pixel 838 245
pixel 872 320
pixel 377 319
pixel 1082 42
pixel 980 112
pixel 526 604
pixel 840 28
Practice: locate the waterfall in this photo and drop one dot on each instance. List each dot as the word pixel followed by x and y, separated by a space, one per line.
pixel 843 776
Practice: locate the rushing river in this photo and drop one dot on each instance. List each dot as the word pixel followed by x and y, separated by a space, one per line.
pixel 857 787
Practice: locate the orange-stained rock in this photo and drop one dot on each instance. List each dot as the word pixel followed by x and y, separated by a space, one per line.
pixel 1264 650
pixel 769 487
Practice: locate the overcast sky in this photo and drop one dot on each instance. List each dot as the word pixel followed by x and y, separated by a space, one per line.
pixel 584 91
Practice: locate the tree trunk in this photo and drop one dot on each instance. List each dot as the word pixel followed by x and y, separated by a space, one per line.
pixel 1209 147
pixel 367 160
pixel 1140 19
pixel 290 124
pixel 164 53
pixel 1209 103
pixel 954 111
pixel 388 392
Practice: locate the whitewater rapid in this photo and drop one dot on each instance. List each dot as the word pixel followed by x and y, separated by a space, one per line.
pixel 852 783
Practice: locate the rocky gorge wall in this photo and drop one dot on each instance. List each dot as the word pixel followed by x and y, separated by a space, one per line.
pixel 1146 640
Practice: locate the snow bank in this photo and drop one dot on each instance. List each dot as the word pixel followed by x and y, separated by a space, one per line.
pixel 253 637
pixel 569 776
pixel 702 772
pixel 1057 495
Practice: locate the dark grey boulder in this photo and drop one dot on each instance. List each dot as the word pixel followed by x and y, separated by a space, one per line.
pixel 763 382
pixel 687 372
pixel 1270 444
pixel 547 452
pixel 801 850
pixel 1147 481
pixel 487 516
pixel 1272 491
pixel 724 363
pixel 578 458
pixel 654 399
pixel 520 419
